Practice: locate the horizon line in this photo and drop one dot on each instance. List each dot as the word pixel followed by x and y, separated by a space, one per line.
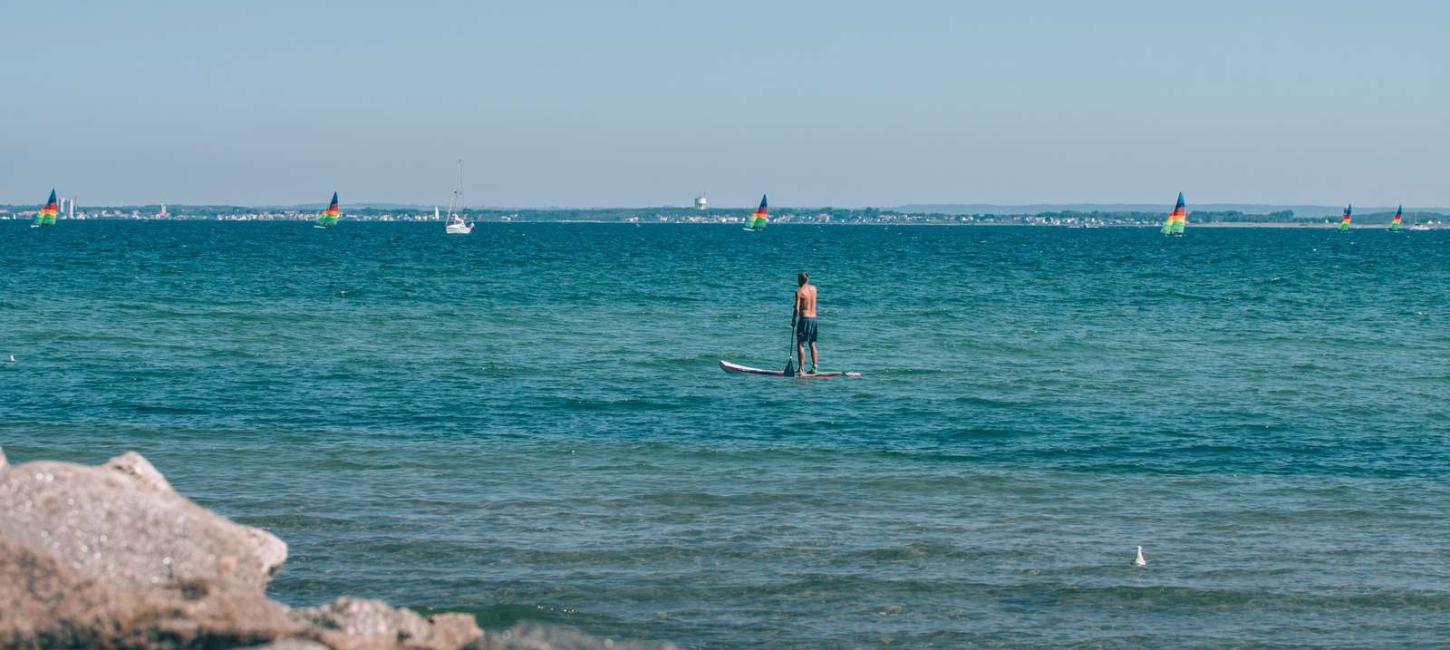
pixel 920 205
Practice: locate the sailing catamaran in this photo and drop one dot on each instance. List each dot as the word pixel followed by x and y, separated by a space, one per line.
pixel 46 216
pixel 1395 223
pixel 1176 219
pixel 1344 222
pixel 329 216
pixel 757 220
pixel 456 225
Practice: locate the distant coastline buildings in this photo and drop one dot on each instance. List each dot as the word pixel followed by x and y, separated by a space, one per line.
pixel 699 212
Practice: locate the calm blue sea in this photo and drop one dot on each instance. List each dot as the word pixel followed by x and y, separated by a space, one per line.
pixel 528 423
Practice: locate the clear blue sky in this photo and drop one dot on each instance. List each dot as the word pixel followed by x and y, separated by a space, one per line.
pixel 646 103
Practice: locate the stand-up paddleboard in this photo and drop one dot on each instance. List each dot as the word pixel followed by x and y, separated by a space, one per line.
pixel 747 370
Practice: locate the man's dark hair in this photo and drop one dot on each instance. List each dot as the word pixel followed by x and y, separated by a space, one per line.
pixel 803 278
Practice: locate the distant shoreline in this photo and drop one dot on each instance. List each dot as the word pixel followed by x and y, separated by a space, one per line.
pixel 949 224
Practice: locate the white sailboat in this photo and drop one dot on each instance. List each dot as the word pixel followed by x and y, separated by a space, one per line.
pixel 456 225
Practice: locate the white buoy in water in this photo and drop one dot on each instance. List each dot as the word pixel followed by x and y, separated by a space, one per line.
pixel 12 358
pixel 1139 561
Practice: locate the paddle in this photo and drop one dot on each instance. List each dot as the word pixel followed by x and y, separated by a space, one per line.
pixel 790 357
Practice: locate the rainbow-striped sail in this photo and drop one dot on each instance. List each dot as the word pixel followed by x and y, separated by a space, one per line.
pixel 1395 223
pixel 757 220
pixel 329 216
pixel 1344 222
pixel 46 216
pixel 1177 220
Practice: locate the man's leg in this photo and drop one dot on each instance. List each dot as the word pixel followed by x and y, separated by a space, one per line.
pixel 800 355
pixel 815 358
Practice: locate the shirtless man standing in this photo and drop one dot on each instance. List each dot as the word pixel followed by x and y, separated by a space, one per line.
pixel 805 324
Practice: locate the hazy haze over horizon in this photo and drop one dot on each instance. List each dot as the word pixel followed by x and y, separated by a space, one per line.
pixel 578 104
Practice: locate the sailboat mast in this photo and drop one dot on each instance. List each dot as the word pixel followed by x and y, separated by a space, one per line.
pixel 453 198
pixel 457 201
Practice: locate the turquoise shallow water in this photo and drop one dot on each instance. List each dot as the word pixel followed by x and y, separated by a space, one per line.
pixel 528 423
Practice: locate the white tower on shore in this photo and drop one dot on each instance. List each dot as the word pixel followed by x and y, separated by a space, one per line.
pixel 701 202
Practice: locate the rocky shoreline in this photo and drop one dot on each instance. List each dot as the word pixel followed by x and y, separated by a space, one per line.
pixel 112 557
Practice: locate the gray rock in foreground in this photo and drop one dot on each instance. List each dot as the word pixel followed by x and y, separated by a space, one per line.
pixel 123 523
pixel 112 557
